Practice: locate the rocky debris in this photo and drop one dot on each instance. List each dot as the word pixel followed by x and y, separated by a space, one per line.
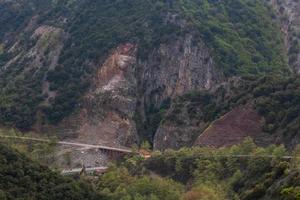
pixel 180 128
pixel 124 85
pixel 69 158
pixel 233 128
pixel 106 114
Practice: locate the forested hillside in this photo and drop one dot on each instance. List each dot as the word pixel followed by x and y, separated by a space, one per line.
pixel 243 172
pixel 275 98
pixel 204 92
pixel 22 178
pixel 50 50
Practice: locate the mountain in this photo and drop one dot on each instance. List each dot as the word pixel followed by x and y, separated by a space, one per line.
pixel 244 171
pixel 212 86
pixel 111 71
pixel 266 109
pixel 288 13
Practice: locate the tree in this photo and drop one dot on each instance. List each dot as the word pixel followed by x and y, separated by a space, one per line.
pixel 203 192
pixel 295 162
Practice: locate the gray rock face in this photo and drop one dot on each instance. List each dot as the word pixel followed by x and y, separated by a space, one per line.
pixel 106 114
pixel 172 70
pixel 36 60
pixel 289 17
pixel 174 136
pixel 182 125
pixel 125 85
pixel 176 68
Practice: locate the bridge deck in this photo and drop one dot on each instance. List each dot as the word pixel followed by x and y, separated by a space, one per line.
pixel 87 170
pixel 91 146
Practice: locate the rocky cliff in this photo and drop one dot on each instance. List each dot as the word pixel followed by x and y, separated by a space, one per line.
pixel 176 68
pixel 173 69
pixel 115 72
pixel 191 114
pixel 288 14
pixel 106 114
pixel 124 87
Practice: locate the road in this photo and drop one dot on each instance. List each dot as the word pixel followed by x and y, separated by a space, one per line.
pixel 247 156
pixel 104 169
pixel 87 170
pixel 89 146
pixel 124 150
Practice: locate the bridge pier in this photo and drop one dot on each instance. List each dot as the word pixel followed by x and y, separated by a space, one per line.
pixel 112 154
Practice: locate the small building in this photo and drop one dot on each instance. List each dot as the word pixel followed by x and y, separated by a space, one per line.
pixel 144 153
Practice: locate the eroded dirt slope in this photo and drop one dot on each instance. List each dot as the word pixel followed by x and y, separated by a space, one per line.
pixel 233 128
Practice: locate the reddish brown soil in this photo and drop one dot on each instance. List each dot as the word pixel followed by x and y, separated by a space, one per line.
pixel 232 128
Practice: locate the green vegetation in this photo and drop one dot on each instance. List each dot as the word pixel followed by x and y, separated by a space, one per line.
pixel 276 98
pixel 95 30
pixel 222 174
pixel 42 152
pixel 240 34
pixel 118 184
pixel 23 179
pixel 244 172
pixel 1 49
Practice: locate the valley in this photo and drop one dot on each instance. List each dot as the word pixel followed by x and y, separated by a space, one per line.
pixel 149 99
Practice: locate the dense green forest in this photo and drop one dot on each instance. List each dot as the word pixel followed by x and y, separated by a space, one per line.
pixel 220 174
pixel 241 35
pixel 76 36
pixel 242 172
pixel 23 179
pixel 42 152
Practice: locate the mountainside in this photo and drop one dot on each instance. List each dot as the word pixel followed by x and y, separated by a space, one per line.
pixel 150 99
pixel 288 15
pixel 23 179
pixel 241 172
pixel 266 109
pixel 74 67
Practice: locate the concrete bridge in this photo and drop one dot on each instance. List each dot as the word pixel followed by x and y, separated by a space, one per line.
pixel 98 170
pixel 106 149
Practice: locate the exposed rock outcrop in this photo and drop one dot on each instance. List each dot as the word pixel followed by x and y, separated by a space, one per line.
pixel 184 121
pixel 176 137
pixel 176 68
pixel 48 43
pixel 125 85
pixel 289 18
pixel 41 57
pixel 106 115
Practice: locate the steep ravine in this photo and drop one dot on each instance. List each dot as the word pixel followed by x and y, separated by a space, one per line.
pixel 173 69
pixel 83 71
